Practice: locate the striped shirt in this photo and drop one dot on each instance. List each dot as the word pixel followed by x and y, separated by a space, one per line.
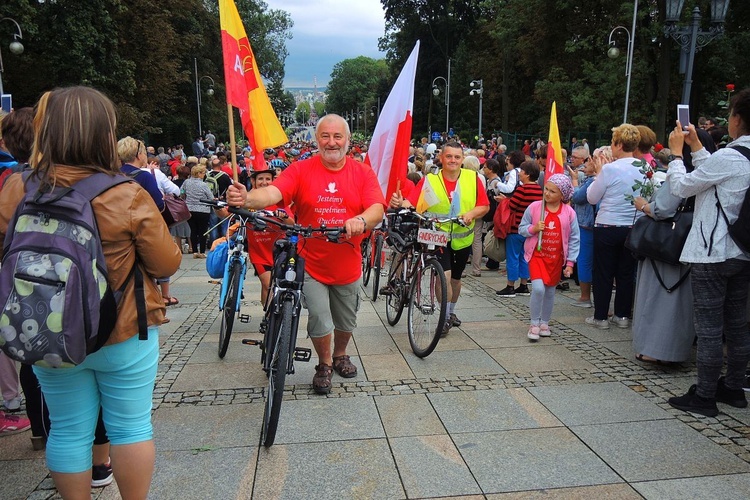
pixel 524 196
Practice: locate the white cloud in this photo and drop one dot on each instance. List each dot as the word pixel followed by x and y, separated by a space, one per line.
pixel 326 32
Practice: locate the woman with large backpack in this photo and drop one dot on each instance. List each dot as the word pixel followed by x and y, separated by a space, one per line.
pixel 75 138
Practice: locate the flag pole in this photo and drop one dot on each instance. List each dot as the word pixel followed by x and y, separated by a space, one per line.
pixel 232 145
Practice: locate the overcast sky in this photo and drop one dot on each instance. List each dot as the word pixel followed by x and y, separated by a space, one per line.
pixel 327 32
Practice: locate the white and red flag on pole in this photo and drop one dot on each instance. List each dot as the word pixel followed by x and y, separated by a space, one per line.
pixel 389 149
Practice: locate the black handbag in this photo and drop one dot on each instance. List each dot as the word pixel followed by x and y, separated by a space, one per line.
pixel 660 240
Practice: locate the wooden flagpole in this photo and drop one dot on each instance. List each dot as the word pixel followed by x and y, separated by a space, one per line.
pixel 232 144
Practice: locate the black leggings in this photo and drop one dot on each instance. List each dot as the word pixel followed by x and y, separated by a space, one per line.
pixel 198 223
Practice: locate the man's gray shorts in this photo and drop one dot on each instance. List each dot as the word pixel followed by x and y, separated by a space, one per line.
pixel 330 306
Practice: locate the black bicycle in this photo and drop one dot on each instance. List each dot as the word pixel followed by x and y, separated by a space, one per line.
pixel 416 277
pixel 280 322
pixel 373 257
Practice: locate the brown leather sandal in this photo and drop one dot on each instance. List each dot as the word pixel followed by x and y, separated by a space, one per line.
pixel 322 380
pixel 344 367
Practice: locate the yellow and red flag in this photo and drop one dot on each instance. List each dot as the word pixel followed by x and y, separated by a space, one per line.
pixel 554 147
pixel 244 85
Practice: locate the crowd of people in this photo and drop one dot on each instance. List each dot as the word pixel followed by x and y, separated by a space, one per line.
pixel 567 225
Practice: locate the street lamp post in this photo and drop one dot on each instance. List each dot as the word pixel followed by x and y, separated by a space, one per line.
pixel 691 38
pixel 16 47
pixel 480 92
pixel 209 91
pixel 436 92
pixel 614 52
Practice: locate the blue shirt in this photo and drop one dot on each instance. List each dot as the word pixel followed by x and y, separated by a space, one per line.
pixel 147 182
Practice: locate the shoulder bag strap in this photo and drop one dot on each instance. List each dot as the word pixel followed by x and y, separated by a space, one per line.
pixel 661 282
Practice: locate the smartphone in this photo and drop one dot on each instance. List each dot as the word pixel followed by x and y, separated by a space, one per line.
pixel 6 102
pixel 683 115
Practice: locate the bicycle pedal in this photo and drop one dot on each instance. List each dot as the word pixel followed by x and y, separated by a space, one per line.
pixel 302 354
pixel 244 318
pixel 251 342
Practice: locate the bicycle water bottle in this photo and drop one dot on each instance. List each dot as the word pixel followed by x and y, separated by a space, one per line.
pixel 291 273
pixel 291 270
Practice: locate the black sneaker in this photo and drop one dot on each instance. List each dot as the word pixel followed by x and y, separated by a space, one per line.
pixel 454 321
pixel 563 285
pixel 446 329
pixel 522 291
pixel 694 404
pixel 508 291
pixel 732 397
pixel 101 475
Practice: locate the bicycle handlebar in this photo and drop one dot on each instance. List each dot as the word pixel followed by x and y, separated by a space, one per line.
pixel 432 220
pixel 261 218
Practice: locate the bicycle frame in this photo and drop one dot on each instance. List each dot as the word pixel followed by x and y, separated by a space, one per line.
pixel 287 281
pixel 238 253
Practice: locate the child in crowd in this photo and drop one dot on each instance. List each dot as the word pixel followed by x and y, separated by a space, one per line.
pixel 560 245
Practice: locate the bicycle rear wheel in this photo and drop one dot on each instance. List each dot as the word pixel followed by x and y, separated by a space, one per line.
pixel 377 256
pixel 366 260
pixel 229 311
pixel 428 299
pixel 277 374
pixel 394 302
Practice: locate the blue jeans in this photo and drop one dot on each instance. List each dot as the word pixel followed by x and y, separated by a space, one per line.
pixel 720 300
pixel 218 231
pixel 515 263
pixel 119 379
pixel 586 256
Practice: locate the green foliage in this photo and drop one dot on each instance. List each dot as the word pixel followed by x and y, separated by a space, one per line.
pixel 354 83
pixel 142 54
pixel 302 113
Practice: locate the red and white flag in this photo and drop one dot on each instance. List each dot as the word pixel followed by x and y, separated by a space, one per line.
pixel 389 149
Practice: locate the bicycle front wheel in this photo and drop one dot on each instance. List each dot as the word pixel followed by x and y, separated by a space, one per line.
pixel 229 311
pixel 428 299
pixel 277 374
pixel 394 301
pixel 366 260
pixel 377 261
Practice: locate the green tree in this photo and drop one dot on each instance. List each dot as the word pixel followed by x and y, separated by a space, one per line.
pixel 354 83
pixel 142 54
pixel 302 113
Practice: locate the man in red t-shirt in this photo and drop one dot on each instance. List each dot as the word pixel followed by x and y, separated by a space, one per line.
pixel 334 190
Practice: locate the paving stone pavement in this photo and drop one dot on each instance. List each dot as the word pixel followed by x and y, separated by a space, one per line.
pixel 487 415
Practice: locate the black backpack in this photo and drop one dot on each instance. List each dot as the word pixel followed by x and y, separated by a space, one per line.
pixel 740 229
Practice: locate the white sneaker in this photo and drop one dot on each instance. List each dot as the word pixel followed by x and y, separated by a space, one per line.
pixel 602 324
pixel 586 304
pixel 12 404
pixel 533 334
pixel 544 330
pixel 620 322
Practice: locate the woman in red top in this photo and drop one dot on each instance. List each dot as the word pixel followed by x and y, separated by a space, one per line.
pixel 516 265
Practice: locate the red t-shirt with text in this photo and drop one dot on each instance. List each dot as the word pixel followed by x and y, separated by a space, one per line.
pixel 260 243
pixel 330 197
pixel 547 263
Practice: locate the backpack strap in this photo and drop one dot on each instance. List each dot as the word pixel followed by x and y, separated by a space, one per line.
pixel 91 187
pixel 742 150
